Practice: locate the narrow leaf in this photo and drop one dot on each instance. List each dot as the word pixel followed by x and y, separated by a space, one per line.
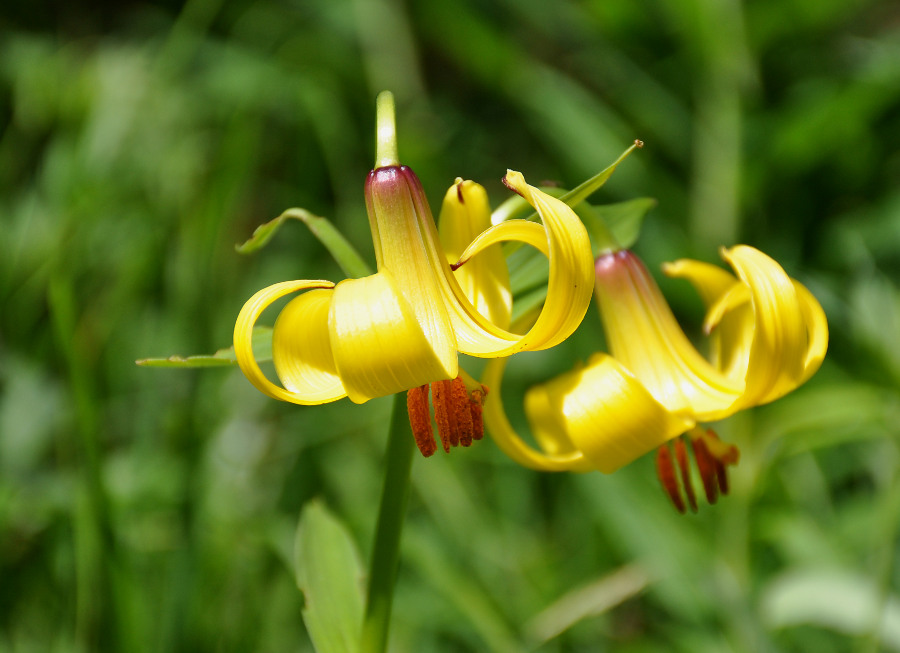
pixel 339 247
pixel 573 198
pixel 595 598
pixel 623 219
pixel 329 574
pixel 262 351
pixel 527 304
pixel 587 188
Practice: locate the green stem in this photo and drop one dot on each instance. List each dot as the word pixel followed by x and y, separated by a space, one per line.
pixel 385 131
pixel 386 552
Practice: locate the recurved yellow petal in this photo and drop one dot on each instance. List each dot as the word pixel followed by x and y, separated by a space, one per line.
pixel 558 455
pixel 466 213
pixel 597 417
pixel 243 347
pixel 301 347
pixel 711 281
pixel 358 339
pixel 407 248
pixel 730 325
pixel 817 331
pixel 571 267
pixel 605 412
pixel 644 336
pixel 379 345
pixel 778 354
pixel 529 233
pixel 568 292
pixel 729 316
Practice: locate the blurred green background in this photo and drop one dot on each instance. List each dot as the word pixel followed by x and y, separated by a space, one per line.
pixel 148 510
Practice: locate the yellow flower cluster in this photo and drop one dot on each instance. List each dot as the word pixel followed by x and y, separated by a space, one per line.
pixel 443 291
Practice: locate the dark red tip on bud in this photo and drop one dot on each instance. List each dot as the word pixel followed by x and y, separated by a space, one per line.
pixel 509 186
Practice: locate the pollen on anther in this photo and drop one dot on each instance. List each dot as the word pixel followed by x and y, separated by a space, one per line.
pixel 476 408
pixel 440 396
pixel 460 403
pixel 706 465
pixel 457 414
pixel 420 419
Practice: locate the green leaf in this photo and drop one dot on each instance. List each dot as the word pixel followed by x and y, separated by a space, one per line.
pixel 262 351
pixel 528 303
pixel 329 574
pixel 587 188
pixel 339 247
pixel 573 198
pixel 528 269
pixel 623 219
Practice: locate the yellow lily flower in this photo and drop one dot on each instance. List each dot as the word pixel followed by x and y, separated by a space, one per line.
pixel 401 328
pixel 769 335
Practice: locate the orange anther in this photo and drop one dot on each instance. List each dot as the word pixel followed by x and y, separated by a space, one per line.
pixel 724 452
pixel 476 401
pixel 706 465
pixel 462 414
pixel 420 419
pixel 457 413
pixel 440 397
pixel 665 470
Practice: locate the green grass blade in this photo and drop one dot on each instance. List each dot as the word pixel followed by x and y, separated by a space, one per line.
pixel 262 351
pixel 339 247
pixel 329 573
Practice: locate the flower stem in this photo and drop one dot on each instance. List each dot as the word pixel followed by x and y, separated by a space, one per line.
pixel 386 552
pixel 386 131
